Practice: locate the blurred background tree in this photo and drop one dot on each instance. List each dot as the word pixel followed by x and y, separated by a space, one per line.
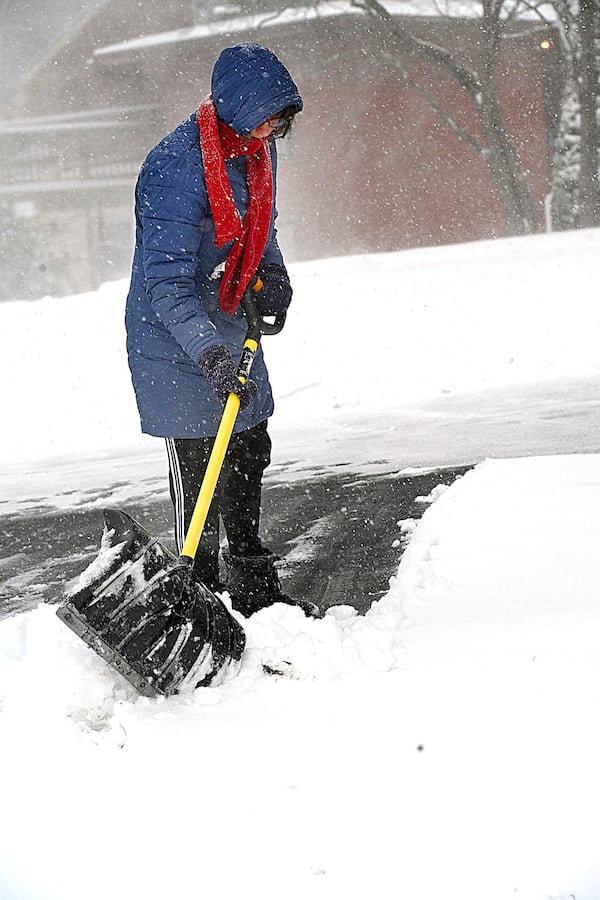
pixel 575 196
pixel 576 184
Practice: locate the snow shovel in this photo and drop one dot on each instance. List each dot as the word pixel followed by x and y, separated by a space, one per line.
pixel 141 609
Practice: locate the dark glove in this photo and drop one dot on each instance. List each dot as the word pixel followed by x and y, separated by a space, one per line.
pixel 275 295
pixel 217 365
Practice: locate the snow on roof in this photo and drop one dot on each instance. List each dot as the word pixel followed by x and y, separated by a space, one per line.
pixel 86 118
pixel 325 9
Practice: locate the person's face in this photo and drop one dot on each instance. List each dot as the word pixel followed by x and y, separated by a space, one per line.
pixel 263 131
pixel 267 127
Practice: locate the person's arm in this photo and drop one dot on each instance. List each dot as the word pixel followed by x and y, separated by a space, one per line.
pixel 173 206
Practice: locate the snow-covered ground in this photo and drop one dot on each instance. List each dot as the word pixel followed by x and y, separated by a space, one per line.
pixel 445 745
pixel 436 356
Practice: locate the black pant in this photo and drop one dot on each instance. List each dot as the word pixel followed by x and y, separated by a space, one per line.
pixel 236 500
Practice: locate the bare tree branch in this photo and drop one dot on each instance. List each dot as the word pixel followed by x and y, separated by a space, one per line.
pixel 496 147
pixel 433 105
pixel 408 43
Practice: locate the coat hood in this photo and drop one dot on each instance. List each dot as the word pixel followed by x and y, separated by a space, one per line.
pixel 250 84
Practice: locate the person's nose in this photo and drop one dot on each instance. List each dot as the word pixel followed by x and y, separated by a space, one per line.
pixel 263 130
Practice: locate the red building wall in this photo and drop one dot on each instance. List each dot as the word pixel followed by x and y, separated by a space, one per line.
pixel 370 166
pixel 373 167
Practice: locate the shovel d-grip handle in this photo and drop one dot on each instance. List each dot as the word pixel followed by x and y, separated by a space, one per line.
pixel 257 326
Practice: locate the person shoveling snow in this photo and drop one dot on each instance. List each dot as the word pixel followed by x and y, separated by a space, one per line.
pixel 153 616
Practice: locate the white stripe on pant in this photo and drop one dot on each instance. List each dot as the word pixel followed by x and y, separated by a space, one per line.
pixel 178 494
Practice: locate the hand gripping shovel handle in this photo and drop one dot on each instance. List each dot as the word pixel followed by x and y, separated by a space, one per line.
pixel 256 327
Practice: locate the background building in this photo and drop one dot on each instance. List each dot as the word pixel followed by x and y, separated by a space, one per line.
pixel 370 166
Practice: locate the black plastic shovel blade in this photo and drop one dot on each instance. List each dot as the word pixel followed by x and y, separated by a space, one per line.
pixel 142 611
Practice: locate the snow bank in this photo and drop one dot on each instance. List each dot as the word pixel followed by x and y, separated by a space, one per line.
pixel 444 745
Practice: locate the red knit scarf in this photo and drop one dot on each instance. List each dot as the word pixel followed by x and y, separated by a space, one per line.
pixel 218 142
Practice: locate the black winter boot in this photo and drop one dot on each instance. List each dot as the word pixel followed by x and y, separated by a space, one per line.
pixel 253 584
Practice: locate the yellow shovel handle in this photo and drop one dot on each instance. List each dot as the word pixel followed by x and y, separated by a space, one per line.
pixel 213 469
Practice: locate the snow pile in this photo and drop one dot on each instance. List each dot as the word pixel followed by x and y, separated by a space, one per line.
pixel 284 640
pixel 444 745
pixel 42 662
pixel 51 681
pixel 522 527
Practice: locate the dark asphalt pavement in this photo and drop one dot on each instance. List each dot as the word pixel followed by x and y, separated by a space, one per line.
pixel 336 535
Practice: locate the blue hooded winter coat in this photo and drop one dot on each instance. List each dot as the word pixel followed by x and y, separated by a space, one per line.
pixel 172 313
